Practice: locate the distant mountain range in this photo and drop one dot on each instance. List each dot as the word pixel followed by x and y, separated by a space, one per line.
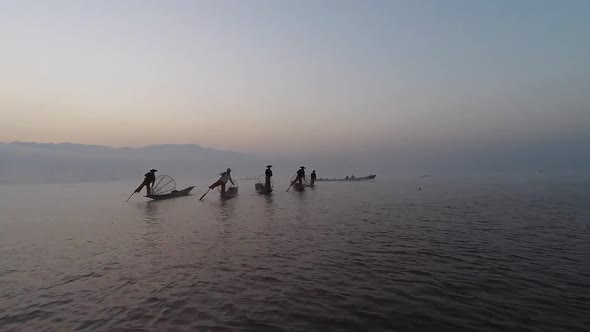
pixel 22 162
pixel 31 163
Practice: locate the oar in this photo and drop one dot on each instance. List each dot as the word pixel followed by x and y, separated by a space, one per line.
pixel 200 199
pixel 290 186
pixel 130 197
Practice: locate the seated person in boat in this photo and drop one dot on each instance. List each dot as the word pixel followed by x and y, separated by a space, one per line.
pixel 148 182
pixel 225 176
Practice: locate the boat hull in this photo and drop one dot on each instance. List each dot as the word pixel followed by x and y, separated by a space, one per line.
pixel 174 194
pixel 231 192
pixel 298 187
pixel 261 190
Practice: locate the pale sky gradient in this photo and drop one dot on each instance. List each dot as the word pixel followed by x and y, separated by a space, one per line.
pixel 301 77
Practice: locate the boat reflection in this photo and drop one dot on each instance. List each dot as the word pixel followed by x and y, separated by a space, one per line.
pixel 151 211
pixel 227 211
pixel 269 207
pixel 150 237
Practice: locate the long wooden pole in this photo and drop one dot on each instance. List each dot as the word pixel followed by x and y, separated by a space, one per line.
pixel 130 197
pixel 200 199
pixel 290 185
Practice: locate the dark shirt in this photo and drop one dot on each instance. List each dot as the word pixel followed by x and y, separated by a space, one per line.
pixel 301 173
pixel 150 177
pixel 313 176
pixel 268 172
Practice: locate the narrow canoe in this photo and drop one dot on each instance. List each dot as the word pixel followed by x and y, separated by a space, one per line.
pixel 364 178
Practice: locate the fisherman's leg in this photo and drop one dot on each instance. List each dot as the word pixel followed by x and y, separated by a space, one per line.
pixel 216 184
pixel 148 189
pixel 267 183
pixel 140 187
pixel 222 189
pixel 300 181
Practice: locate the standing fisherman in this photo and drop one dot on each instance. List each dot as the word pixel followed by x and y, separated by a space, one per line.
pixel 148 182
pixel 300 176
pixel 225 176
pixel 267 176
pixel 313 177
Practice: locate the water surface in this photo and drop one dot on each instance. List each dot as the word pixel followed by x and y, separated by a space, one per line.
pixel 482 254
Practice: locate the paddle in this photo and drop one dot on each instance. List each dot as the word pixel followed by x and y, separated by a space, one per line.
pixel 200 199
pixel 290 186
pixel 130 197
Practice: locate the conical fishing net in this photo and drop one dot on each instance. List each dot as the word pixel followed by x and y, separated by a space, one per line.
pixel 164 185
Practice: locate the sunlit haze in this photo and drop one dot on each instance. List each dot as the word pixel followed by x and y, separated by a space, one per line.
pixel 297 77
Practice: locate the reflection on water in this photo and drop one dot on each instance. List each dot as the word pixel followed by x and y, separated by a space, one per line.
pixel 152 224
pixel 151 210
pixel 302 212
pixel 269 206
pixel 227 209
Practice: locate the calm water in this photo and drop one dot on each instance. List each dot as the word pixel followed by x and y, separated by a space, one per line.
pixel 376 256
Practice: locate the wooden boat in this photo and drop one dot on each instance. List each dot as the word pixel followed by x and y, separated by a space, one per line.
pixel 261 190
pixel 231 192
pixel 172 194
pixel 298 187
pixel 364 178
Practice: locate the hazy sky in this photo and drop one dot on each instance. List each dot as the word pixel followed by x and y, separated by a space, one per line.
pixel 299 77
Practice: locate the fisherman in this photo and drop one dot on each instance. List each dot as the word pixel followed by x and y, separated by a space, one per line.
pixel 313 177
pixel 225 176
pixel 148 182
pixel 300 176
pixel 267 176
pixel 346 178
